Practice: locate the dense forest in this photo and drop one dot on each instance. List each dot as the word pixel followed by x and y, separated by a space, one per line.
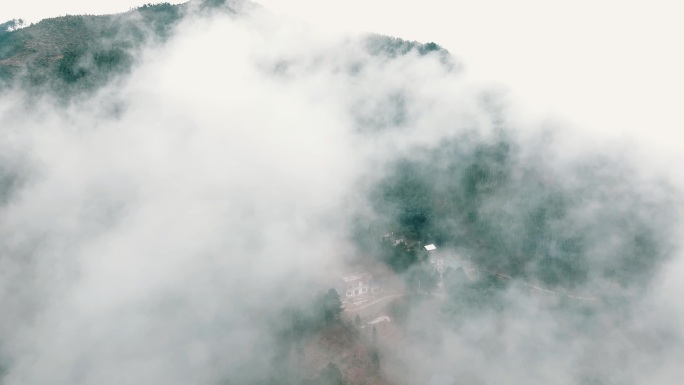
pixel 77 54
pixel 515 215
pixel 593 229
pixel 80 52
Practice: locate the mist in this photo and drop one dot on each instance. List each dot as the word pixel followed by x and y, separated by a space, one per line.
pixel 154 230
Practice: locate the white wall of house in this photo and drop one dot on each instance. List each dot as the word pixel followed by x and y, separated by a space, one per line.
pixel 359 284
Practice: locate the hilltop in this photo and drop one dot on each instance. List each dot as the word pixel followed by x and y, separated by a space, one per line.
pixel 82 52
pixel 86 50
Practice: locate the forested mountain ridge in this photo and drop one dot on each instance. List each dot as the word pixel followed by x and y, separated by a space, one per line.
pixel 84 51
pixel 76 53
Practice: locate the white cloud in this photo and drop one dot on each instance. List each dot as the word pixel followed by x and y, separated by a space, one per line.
pixel 152 246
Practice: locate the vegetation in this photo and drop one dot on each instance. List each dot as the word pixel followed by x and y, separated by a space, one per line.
pixel 319 325
pixel 71 54
pixel 331 375
pixel 474 298
pixel 393 47
pixel 8 183
pixel 324 312
pixel 512 215
pixel 10 25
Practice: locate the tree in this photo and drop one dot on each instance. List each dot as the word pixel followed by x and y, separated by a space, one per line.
pixel 328 307
pixel 70 68
pixel 375 359
pixel 331 375
pixel 357 321
pixel 11 25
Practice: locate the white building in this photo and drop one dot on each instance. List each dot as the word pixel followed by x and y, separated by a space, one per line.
pixel 359 284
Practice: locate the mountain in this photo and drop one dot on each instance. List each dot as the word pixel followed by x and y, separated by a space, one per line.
pixel 85 50
pixel 82 52
pixel 209 193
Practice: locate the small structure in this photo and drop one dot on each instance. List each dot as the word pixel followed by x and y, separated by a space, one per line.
pixel 394 240
pixel 436 259
pixel 359 284
pixel 441 261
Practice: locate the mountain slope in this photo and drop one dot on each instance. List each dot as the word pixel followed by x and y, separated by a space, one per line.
pixel 82 52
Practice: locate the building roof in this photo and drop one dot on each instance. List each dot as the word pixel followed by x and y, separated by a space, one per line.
pixel 355 277
pixel 430 247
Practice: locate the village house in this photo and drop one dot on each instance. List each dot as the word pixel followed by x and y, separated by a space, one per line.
pixel 357 284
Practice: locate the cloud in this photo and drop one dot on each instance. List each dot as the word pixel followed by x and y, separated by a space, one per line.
pixel 154 244
pixel 157 243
